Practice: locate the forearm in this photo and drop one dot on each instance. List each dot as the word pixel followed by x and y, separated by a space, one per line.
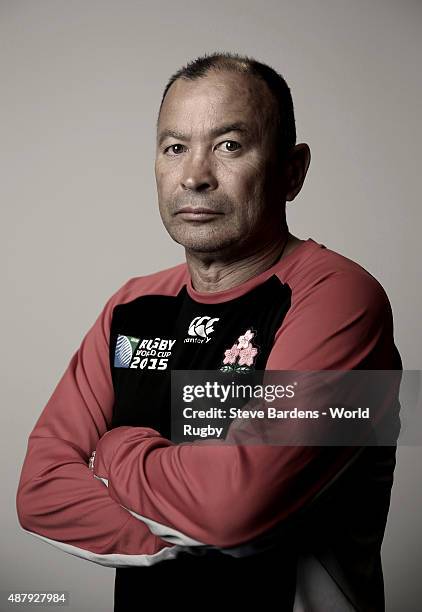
pixel 64 505
pixel 220 495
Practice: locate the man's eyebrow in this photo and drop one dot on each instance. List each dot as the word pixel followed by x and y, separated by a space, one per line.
pixel 238 126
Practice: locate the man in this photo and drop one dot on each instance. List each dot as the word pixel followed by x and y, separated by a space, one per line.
pixel 301 526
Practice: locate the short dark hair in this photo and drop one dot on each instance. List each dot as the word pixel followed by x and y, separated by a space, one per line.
pixel 243 64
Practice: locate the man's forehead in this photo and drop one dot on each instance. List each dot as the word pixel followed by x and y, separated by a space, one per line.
pixel 214 102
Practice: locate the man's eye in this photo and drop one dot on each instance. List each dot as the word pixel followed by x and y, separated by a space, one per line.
pixel 230 145
pixel 176 149
pixel 172 149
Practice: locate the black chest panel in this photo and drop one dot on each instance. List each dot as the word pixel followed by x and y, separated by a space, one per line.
pixel 155 334
pixel 151 336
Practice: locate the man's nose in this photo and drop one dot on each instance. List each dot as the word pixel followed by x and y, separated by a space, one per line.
pixel 198 173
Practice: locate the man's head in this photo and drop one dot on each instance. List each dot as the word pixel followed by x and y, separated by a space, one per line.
pixel 226 144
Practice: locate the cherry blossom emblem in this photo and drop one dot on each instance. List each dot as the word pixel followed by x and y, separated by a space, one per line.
pixel 240 357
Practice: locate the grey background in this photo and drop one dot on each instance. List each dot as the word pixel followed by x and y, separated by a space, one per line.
pixel 81 82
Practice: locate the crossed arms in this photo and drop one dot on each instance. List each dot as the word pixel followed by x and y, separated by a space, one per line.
pixel 160 496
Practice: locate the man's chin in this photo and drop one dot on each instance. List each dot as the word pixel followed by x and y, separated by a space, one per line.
pixel 202 243
pixel 204 246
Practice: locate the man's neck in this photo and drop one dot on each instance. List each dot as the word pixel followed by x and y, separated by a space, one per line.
pixel 212 275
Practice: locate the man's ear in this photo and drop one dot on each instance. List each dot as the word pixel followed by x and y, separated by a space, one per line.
pixel 296 167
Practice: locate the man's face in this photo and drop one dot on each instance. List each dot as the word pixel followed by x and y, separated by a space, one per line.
pixel 219 187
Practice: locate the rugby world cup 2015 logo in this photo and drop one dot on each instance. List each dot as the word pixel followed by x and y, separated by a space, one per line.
pixel 125 349
pixel 145 354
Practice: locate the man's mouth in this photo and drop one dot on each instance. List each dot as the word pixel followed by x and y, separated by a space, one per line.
pixel 197 213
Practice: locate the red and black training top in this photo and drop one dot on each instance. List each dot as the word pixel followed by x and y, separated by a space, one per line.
pixel 188 515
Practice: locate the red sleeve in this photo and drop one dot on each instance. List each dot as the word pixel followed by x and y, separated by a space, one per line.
pixel 226 495
pixel 57 499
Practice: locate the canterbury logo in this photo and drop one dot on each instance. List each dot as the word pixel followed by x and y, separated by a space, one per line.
pixel 202 326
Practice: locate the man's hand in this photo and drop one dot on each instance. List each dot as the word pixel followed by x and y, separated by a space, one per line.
pixel 91 461
pixel 102 456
